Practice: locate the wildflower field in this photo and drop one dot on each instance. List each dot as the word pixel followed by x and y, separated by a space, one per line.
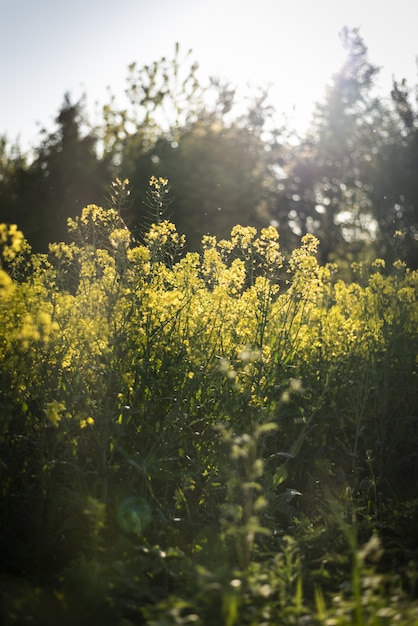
pixel 221 438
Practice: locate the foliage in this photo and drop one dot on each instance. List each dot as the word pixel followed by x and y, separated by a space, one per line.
pixel 350 179
pixel 206 437
pixel 64 174
pixel 328 179
pixel 395 191
pixel 219 175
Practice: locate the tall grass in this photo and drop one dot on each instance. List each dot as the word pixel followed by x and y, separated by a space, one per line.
pixel 216 438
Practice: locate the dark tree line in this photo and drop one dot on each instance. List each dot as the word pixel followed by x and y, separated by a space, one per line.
pixel 352 179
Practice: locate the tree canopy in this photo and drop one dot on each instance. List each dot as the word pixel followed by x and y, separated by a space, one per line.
pixel 350 179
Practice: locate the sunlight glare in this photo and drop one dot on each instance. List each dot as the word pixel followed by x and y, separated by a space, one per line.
pixel 273 46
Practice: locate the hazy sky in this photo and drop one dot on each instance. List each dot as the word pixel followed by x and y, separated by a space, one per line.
pixel 49 47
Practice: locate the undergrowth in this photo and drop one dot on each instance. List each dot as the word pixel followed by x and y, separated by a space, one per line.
pixel 220 438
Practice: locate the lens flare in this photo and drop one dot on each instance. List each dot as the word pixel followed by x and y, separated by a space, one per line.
pixel 134 514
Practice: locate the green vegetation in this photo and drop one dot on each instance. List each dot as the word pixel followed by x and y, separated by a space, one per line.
pixel 224 437
pixel 350 179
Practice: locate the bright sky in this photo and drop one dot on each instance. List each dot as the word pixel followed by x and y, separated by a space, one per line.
pixel 49 47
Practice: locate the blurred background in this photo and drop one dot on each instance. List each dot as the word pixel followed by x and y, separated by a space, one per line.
pixel 297 114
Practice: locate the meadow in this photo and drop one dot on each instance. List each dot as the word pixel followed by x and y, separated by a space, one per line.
pixel 220 438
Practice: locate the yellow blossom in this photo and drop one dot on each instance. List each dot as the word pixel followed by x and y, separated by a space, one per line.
pixel 157 183
pixel 87 422
pixel 54 411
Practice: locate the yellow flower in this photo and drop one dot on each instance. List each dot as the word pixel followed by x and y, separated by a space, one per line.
pixel 378 264
pixel 11 241
pixel 87 422
pixel 53 411
pixel 6 284
pixel 157 183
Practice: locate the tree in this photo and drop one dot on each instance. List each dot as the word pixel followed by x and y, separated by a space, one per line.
pixel 219 177
pixel 219 163
pixel 160 99
pixel 17 184
pixel 64 175
pixel 69 175
pixel 328 175
pixel 395 187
